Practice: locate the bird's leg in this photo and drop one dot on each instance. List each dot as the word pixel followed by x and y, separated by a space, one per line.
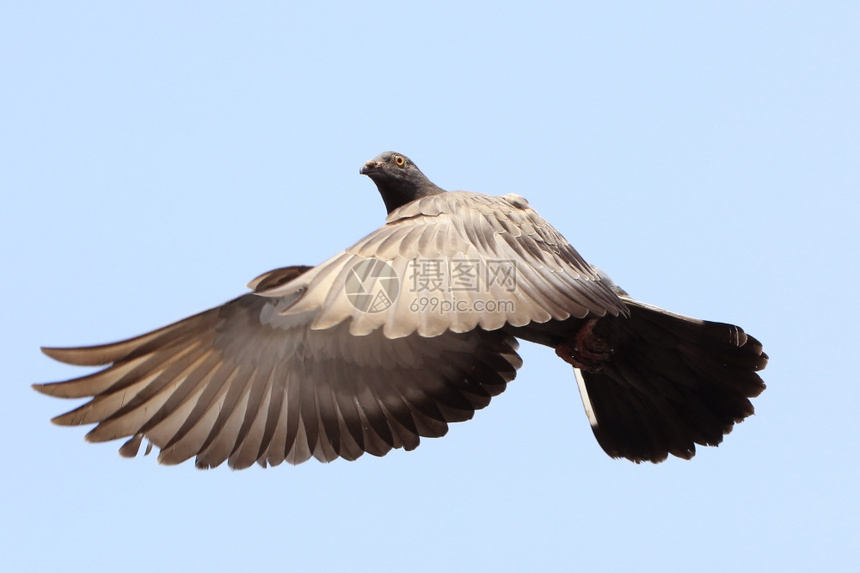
pixel 585 349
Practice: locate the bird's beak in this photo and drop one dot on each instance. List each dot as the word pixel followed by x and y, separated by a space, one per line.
pixel 369 167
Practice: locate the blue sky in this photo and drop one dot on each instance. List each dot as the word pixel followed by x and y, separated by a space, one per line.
pixel 154 159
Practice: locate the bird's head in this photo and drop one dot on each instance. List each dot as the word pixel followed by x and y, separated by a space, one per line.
pixel 398 179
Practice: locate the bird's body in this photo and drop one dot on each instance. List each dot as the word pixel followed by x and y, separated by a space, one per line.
pixel 411 328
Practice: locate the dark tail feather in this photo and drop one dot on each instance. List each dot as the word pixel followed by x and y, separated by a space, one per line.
pixel 671 381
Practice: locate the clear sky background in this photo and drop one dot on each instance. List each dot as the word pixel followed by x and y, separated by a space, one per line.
pixel 155 158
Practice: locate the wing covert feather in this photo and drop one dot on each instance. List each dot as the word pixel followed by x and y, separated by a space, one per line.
pixel 449 233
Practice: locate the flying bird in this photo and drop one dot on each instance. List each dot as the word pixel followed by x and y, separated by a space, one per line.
pixel 413 327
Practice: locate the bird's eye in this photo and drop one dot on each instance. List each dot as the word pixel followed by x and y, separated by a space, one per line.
pixel 398 159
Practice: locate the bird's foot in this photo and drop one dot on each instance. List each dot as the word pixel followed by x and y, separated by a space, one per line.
pixel 585 350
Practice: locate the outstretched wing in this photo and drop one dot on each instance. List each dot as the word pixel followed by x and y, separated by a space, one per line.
pixel 461 260
pixel 245 384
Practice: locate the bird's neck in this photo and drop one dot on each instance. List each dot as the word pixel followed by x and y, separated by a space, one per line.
pixel 396 194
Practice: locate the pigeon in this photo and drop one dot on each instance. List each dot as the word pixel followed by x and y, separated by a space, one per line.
pixel 413 327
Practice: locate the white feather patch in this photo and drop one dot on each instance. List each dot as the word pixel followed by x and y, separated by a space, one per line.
pixel 586 401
